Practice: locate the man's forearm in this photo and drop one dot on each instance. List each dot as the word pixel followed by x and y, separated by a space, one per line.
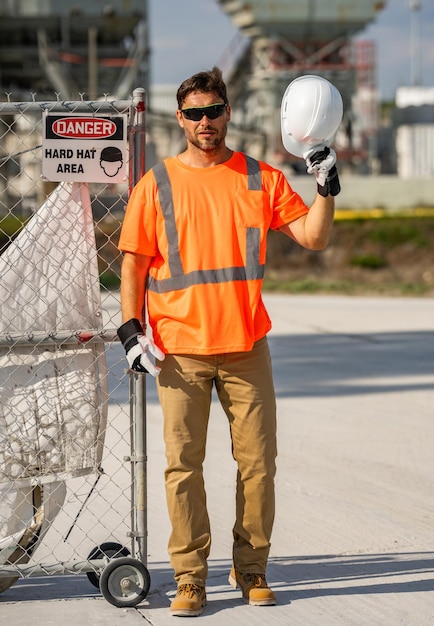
pixel 133 278
pixel 313 230
pixel 319 222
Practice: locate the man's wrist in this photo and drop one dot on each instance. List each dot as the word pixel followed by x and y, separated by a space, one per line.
pixel 323 190
pixel 129 331
pixel 331 186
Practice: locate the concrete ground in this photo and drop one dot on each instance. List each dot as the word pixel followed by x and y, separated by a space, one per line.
pixel 353 543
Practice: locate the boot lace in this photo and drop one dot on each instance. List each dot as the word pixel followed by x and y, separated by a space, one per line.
pixel 255 580
pixel 189 590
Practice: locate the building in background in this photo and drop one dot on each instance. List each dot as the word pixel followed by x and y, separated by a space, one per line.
pixel 88 48
pixel 288 38
pixel 414 124
pixel 73 46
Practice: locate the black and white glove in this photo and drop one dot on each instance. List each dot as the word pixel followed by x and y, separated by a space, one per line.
pixel 138 347
pixel 321 161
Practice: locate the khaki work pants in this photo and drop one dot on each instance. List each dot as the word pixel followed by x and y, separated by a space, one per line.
pixel 244 385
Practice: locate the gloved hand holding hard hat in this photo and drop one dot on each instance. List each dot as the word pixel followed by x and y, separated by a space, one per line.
pixel 311 112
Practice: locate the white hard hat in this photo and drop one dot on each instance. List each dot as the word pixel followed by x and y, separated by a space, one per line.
pixel 311 112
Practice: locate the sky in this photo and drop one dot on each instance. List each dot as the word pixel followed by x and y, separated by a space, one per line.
pixel 195 36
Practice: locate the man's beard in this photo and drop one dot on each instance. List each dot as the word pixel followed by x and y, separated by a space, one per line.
pixel 208 144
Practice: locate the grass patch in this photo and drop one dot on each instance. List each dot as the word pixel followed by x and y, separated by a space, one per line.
pixel 394 232
pixel 307 286
pixel 109 280
pixel 345 287
pixel 11 225
pixel 368 261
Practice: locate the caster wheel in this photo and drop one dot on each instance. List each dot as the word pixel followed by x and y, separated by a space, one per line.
pixel 111 550
pixel 125 582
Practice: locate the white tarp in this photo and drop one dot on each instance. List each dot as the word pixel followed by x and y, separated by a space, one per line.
pixel 49 274
pixel 53 399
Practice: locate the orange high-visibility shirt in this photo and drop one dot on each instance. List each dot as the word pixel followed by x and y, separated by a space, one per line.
pixel 206 229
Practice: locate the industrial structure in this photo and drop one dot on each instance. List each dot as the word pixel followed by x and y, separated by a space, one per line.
pixel 288 38
pixel 73 47
pixel 94 47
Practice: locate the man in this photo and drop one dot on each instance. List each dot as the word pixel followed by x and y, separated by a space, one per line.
pixel 194 243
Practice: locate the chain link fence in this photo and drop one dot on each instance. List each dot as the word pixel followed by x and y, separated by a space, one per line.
pixel 69 439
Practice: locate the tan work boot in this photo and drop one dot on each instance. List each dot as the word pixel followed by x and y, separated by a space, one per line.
pixel 189 600
pixel 254 588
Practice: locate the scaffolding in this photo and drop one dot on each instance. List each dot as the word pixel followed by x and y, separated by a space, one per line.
pixel 293 38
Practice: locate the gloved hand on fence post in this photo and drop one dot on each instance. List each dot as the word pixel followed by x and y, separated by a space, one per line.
pixel 321 161
pixel 138 347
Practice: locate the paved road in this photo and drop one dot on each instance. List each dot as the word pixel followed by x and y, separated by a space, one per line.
pixel 353 543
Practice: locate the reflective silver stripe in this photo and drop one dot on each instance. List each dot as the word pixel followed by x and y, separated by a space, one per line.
pixel 254 178
pixel 179 280
pixel 253 246
pixel 166 201
pixel 206 277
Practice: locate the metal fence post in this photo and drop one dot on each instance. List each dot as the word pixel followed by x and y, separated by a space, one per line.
pixel 137 142
pixel 137 137
pixel 63 477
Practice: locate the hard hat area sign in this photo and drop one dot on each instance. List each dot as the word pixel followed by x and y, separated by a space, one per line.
pixel 84 148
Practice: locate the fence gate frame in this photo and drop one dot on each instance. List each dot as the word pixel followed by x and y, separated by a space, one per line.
pixel 113 575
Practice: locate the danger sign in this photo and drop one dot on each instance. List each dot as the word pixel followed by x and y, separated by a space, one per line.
pixel 81 148
pixel 85 128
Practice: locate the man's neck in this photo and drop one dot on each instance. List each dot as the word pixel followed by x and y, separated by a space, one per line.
pixel 194 157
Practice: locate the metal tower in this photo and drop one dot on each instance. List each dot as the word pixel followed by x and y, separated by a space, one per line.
pixel 289 38
pixel 73 46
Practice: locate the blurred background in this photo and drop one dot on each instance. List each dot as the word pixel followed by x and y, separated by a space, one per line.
pixel 378 54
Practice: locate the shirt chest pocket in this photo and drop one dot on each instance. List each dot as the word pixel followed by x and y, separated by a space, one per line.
pixel 252 208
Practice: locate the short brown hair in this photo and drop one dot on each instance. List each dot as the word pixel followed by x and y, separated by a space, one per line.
pixel 203 82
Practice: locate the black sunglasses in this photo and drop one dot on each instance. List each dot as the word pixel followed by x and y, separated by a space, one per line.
pixel 212 112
